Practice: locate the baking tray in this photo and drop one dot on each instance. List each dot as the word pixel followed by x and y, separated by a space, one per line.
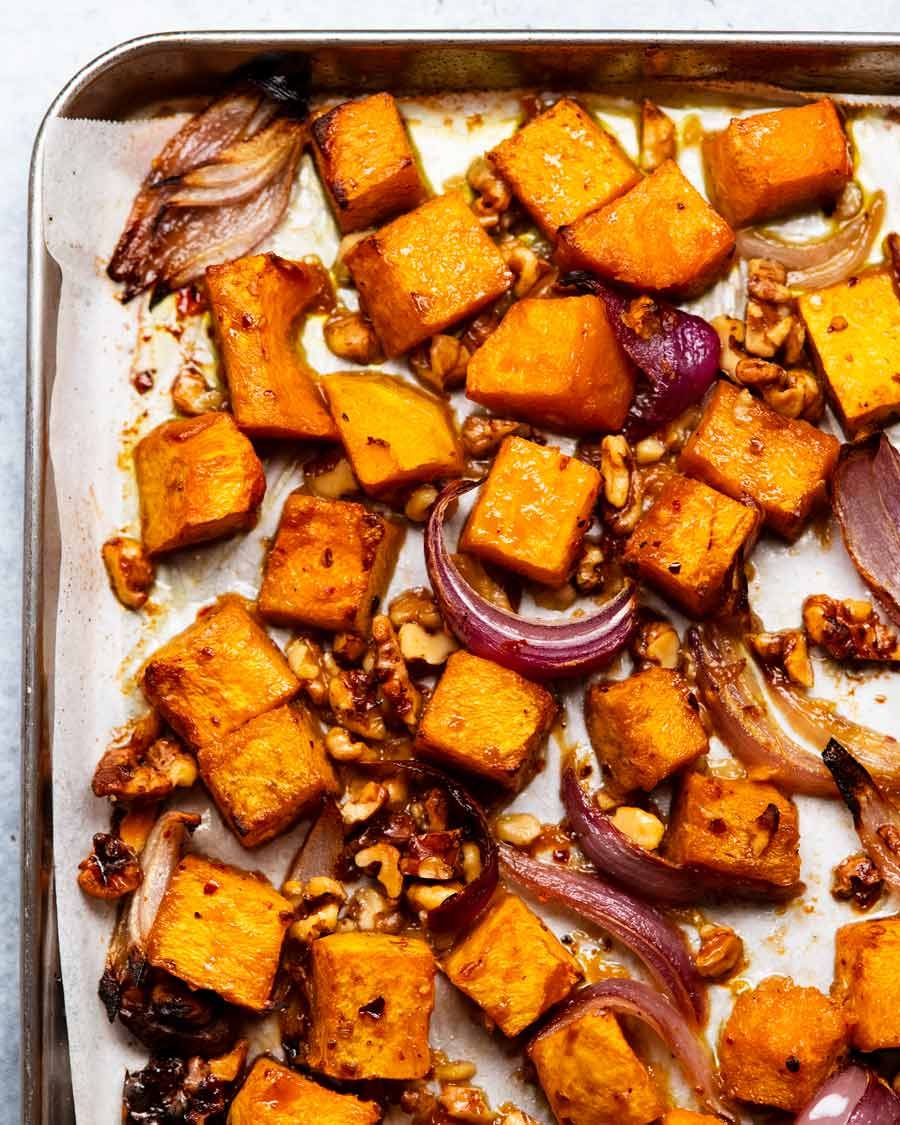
pixel 132 77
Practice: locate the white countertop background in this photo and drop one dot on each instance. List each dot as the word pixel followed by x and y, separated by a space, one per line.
pixel 45 43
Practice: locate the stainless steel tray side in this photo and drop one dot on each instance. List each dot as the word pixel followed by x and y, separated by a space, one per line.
pixel 129 78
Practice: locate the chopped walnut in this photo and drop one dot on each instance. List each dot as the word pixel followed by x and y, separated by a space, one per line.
pixel 675 435
pixel 527 266
pixel 368 910
pixel 330 476
pixel 386 859
pixel 353 697
pixel 515 1117
pixel 767 281
pixel 485 323
pixel 640 826
pixel 731 340
pixel 111 870
pixel 622 487
pixel 466 1103
pixel 857 878
pixel 493 196
pixel 482 435
pixel 419 503
pixel 764 829
pixel 192 394
pixel 658 142
pixel 721 952
pixel 361 801
pixel 433 855
pixel 441 363
pixel 753 372
pixel 454 1071
pixel 425 897
pixel 649 451
pixel 519 829
pixel 590 575
pixel 304 657
pixel 131 572
pixel 350 335
pixel 400 694
pixel 319 922
pixel 349 649
pixel 140 764
pixel 343 748
pixel 419 646
pixel 786 650
pixel 799 396
pixel 849 629
pixel 656 642
pixel 415 606
pixel 471 861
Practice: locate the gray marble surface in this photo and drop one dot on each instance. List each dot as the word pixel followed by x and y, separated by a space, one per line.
pixel 46 42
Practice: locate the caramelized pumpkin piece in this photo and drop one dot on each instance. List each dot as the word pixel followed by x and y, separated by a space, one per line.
pixel 394 434
pixel 366 162
pixel 554 362
pixel 867 982
pixel 772 164
pixel 645 727
pixel 275 1095
pixel 265 775
pixel 425 271
pixel 591 1076
pixel 512 966
pixel 199 479
pixel 687 1117
pixel 372 996
pixel 779 1044
pixel 532 511
pixel 221 671
pixel 257 303
pixel 745 449
pixel 220 928
pixel 854 330
pixel 687 543
pixel 563 164
pixel 329 566
pixel 662 236
pixel 485 719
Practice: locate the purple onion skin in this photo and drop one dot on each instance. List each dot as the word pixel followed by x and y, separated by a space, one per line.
pixel 853 1096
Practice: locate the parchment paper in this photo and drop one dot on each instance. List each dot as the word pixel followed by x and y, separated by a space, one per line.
pixel 93 170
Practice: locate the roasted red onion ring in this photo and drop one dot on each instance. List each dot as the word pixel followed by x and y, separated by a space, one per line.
pixel 853 1096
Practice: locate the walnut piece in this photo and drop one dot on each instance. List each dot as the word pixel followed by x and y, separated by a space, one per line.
pixel 721 952
pixel 441 363
pixel 415 606
pixel 466 1103
pixel 656 642
pixel 857 878
pixel 142 765
pixel 131 572
pixel 528 267
pixel 350 335
pixel 493 196
pixel 304 657
pixel 192 394
pixel 786 650
pixel 482 435
pixel 518 829
pixel 111 870
pixel 386 860
pixel 400 694
pixel 849 629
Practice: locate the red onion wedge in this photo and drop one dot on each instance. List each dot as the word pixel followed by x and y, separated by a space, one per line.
pixel 867 505
pixel 678 352
pixel 813 265
pixel 538 649
pixel 853 1096
pixel 322 848
pixel 731 693
pixel 633 998
pixel 876 819
pixel 650 936
pixel 463 908
pixel 650 875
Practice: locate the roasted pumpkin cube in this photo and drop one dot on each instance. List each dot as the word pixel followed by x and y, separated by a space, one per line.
pixel 532 511
pixel 562 165
pixel 220 928
pixel 366 162
pixel 329 566
pixel 198 479
pixel 425 271
pixel 645 727
pixel 745 449
pixel 485 719
pixel 867 982
pixel 744 829
pixel 275 1095
pixel 256 303
pixel 216 675
pixel 512 966
pixel 688 1117
pixel 395 434
pixel 662 236
pixel 687 543
pixel 266 774
pixel 771 164
pixel 854 330
pixel 372 996
pixel 555 362
pixel 780 1043
pixel 591 1076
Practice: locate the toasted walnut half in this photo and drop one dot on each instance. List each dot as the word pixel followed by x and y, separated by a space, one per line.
pixel 786 650
pixel 111 870
pixel 849 629
pixel 482 434
pixel 398 690
pixel 193 395
pixel 441 363
pixel 857 878
pixel 142 765
pixel 721 952
pixel 350 335
pixel 131 573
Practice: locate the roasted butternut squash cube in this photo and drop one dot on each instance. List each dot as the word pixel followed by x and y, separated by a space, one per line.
pixel 275 1095
pixel 555 362
pixel 645 727
pixel 372 996
pixel 532 511
pixel 779 1044
pixel 216 675
pixel 662 236
pixel 771 164
pixel 329 565
pixel 745 829
pixel 485 719
pixel 563 164
pixel 366 162
pixel 744 448
pixel 854 330
pixel 591 1076
pixel 687 1117
pixel 257 303
pixel 867 982
pixel 687 543
pixel 198 479
pixel 512 966
pixel 266 774
pixel 220 928
pixel 395 434
pixel 425 271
